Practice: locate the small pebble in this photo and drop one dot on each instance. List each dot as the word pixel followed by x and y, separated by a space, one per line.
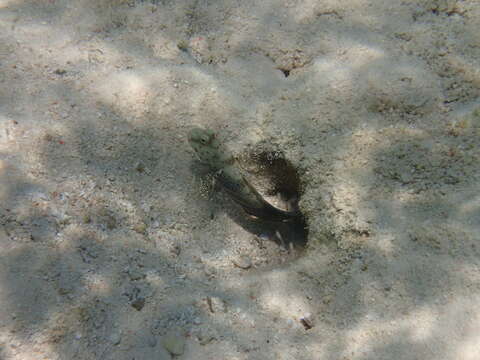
pixel 140 227
pixel 138 303
pixel 216 305
pixel 243 262
pixel 307 321
pixel 205 339
pixel 116 337
pixel 60 72
pixel 174 343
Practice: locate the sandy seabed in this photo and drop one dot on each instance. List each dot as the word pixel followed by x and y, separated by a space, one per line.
pixel 114 244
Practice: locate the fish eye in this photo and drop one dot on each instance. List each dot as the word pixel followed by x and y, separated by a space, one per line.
pixel 203 140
